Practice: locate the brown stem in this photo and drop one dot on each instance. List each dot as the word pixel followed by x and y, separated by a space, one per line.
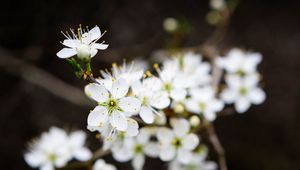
pixel 213 138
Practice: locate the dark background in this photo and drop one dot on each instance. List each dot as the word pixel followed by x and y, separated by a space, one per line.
pixel 265 138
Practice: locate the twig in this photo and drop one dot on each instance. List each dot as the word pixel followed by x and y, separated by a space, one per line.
pixel 213 138
pixel 41 78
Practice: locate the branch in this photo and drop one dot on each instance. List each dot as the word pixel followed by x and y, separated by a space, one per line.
pixel 213 138
pixel 41 78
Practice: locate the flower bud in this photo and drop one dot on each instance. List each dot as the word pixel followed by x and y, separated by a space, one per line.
pixel 179 108
pixel 83 52
pixel 194 121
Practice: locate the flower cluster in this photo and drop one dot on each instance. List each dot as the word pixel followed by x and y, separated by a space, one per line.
pixel 155 113
pixel 242 79
pixel 54 149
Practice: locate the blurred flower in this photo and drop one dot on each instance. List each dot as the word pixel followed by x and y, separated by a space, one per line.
pixel 203 101
pixel 83 44
pixel 100 164
pixel 170 24
pixel 148 91
pixel 197 162
pixel 240 62
pixel 172 82
pixel 217 4
pixel 55 148
pixel 113 105
pixel 242 91
pixel 191 68
pixel 177 143
pixel 130 73
pixel 136 148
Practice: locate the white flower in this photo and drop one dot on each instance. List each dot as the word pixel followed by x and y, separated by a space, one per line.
pixel 113 138
pixel 100 164
pixel 177 143
pixel 242 91
pixel 240 62
pixel 197 162
pixel 151 97
pixel 195 72
pixel 217 4
pixel 83 44
pixel 76 146
pixel 172 82
pixel 203 101
pixel 55 148
pixel 113 105
pixel 130 73
pixel 135 149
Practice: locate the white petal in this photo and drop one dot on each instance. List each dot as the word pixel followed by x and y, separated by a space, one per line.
pixel 210 115
pixel 152 83
pixel 93 52
pixel 71 43
pixel 137 87
pixel 178 94
pixel 192 106
pixel 96 92
pixel 123 155
pixel 180 126
pixel 33 159
pixel 147 114
pixel 209 165
pixel 83 154
pixel 152 149
pixel 94 33
pixel 132 128
pixel 98 116
pixel 138 161
pixel 119 88
pixel 130 104
pixel 257 96
pixel 229 95
pixel 190 142
pixel 217 105
pixel 184 156
pixel 144 136
pixel 165 135
pixel 99 46
pixel 167 152
pixel 242 105
pixel 77 138
pixel 160 100
pixel 47 166
pixel 233 81
pixel 251 80
pixel 119 121
pixel 251 62
pixel 66 53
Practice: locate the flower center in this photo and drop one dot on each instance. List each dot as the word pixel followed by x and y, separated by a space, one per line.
pixel 138 148
pixel 202 106
pixel 83 52
pixel 168 87
pixel 241 73
pixel 52 157
pixel 177 142
pixel 111 105
pixel 243 91
pixel 145 101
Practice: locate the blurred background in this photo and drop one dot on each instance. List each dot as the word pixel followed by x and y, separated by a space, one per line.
pixel 38 90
